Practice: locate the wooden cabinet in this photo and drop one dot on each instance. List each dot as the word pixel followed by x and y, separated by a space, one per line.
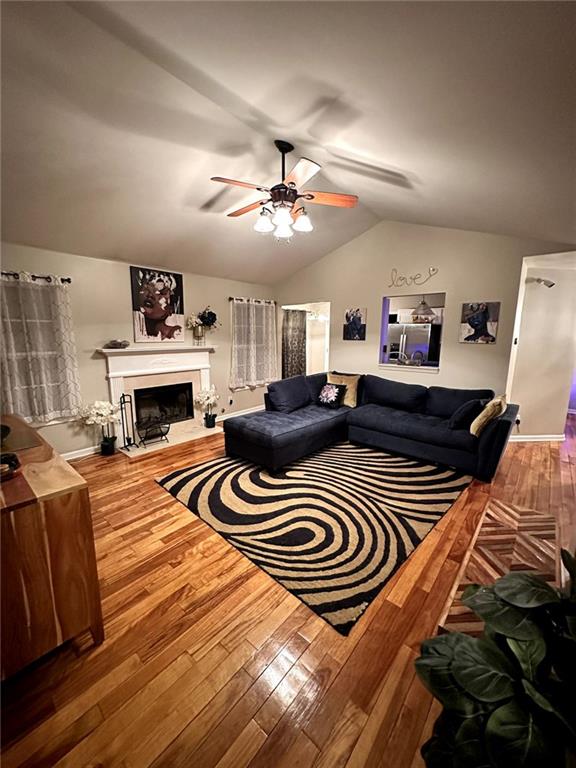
pixel 49 586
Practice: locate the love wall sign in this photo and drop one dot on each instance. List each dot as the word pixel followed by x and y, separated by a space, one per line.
pixel 400 281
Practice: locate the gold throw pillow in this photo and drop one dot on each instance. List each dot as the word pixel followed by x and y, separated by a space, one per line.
pixel 492 410
pixel 351 382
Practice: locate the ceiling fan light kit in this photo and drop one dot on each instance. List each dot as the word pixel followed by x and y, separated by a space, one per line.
pixel 283 215
pixel 303 223
pixel 281 212
pixel 283 232
pixel 264 222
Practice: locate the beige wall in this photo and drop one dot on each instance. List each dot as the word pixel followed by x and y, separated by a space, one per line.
pixel 471 266
pixel 316 336
pixel 101 309
pixel 546 352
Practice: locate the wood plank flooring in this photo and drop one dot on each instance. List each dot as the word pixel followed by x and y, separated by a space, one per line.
pixel 208 662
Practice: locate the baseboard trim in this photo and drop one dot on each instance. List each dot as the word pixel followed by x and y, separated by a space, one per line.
pixel 224 416
pixel 91 450
pixel 537 438
pixel 81 453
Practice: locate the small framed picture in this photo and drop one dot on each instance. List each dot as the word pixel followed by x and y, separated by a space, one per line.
pixel 157 305
pixel 479 322
pixel 354 324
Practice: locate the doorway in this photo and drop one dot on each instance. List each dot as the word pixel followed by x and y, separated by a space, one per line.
pixel 305 338
pixel 543 353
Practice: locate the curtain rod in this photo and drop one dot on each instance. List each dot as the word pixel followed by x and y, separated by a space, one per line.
pixel 258 301
pixel 48 278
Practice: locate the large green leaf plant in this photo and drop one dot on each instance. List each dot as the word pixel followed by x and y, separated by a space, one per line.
pixel 509 696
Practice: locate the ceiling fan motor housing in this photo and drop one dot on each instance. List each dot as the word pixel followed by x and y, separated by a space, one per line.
pixel 280 193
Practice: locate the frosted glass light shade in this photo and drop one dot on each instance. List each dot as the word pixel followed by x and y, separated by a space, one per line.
pixel 282 216
pixel 303 223
pixel 283 231
pixel 263 224
pixel 424 309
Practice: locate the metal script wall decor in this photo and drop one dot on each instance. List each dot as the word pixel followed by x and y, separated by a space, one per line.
pixel 399 281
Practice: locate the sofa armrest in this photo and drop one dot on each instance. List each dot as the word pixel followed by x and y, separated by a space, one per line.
pixel 493 441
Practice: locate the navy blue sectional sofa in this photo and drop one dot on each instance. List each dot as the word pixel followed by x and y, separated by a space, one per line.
pixel 407 419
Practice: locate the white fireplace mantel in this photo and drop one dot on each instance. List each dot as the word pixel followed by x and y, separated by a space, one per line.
pixel 131 351
pixel 133 361
pixel 122 364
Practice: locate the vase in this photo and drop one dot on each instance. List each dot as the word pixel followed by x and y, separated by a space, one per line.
pixel 198 333
pixel 108 446
pixel 210 420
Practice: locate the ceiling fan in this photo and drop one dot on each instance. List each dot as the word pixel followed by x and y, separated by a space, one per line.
pixel 282 211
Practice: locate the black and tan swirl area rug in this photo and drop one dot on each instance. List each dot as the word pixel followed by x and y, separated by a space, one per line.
pixel 332 528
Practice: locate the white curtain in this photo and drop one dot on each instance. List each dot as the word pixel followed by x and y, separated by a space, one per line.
pixel 39 366
pixel 254 352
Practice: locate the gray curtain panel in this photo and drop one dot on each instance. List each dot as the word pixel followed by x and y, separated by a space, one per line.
pixel 293 343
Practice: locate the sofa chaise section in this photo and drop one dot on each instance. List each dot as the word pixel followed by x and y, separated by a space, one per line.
pixel 273 438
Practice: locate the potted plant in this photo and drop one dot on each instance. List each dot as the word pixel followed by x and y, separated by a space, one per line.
pixel 200 322
pixel 508 695
pixel 206 399
pixel 105 415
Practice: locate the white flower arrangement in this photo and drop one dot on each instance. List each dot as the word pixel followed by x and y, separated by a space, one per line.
pixel 205 319
pixel 103 414
pixel 206 399
pixel 193 321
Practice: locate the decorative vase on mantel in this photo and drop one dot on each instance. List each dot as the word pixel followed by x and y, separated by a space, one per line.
pixel 199 332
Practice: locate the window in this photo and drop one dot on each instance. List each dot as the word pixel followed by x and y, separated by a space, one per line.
pixel 254 356
pixel 411 331
pixel 39 366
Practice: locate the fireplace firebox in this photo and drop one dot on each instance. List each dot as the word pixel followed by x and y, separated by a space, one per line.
pixel 167 404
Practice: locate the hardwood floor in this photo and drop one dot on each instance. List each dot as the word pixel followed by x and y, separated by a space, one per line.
pixel 208 662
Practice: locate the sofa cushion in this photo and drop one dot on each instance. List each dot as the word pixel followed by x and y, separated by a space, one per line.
pixel 360 386
pixel 490 412
pixel 413 426
pixel 315 382
pixel 290 394
pixel 277 428
pixel 444 401
pixel 350 381
pixel 463 417
pixel 331 395
pixel 394 394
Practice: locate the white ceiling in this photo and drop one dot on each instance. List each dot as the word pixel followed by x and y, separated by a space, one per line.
pixel 115 115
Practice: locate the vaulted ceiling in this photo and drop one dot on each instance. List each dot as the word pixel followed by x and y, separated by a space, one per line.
pixel 115 115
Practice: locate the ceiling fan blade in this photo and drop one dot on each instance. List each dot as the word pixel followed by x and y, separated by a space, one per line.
pixel 331 198
pixel 246 184
pixel 302 172
pixel 247 208
pixel 369 168
pixel 296 211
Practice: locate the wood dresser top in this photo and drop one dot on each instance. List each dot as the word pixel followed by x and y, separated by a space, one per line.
pixel 43 473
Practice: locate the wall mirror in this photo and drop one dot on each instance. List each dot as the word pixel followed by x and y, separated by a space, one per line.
pixel 411 330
